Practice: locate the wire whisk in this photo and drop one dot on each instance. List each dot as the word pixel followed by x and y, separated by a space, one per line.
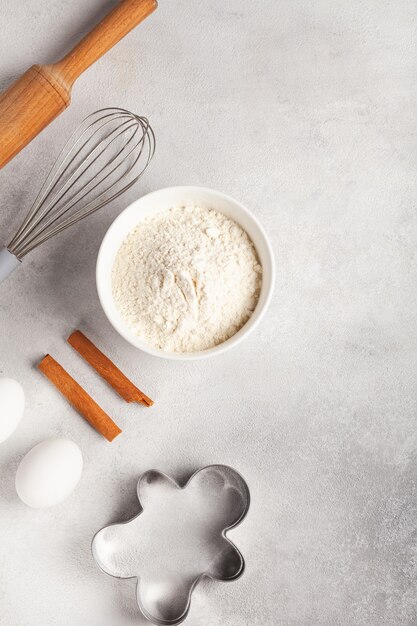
pixel 105 156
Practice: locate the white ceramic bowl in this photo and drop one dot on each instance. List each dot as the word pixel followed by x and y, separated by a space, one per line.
pixel 154 203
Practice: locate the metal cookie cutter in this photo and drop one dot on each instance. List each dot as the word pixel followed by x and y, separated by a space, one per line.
pixel 178 537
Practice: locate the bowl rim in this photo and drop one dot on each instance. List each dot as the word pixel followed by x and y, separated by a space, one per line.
pixel 242 333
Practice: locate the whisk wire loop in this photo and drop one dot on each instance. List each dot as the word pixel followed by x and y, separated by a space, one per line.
pixel 105 156
pixel 58 169
pixel 48 208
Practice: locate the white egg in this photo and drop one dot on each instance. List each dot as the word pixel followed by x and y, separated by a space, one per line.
pixel 49 473
pixel 12 405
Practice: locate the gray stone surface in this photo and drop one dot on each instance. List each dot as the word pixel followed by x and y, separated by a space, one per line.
pixel 306 112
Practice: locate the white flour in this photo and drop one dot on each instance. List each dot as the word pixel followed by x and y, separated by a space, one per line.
pixel 186 279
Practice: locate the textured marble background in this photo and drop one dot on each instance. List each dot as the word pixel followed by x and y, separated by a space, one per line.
pixel 306 112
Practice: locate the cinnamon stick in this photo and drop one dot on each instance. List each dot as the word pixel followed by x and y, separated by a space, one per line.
pixel 79 398
pixel 107 369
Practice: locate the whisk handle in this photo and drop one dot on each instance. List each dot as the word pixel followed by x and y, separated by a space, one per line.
pixel 8 263
pixel 115 25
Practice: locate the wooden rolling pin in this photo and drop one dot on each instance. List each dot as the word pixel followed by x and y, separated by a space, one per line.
pixel 44 91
